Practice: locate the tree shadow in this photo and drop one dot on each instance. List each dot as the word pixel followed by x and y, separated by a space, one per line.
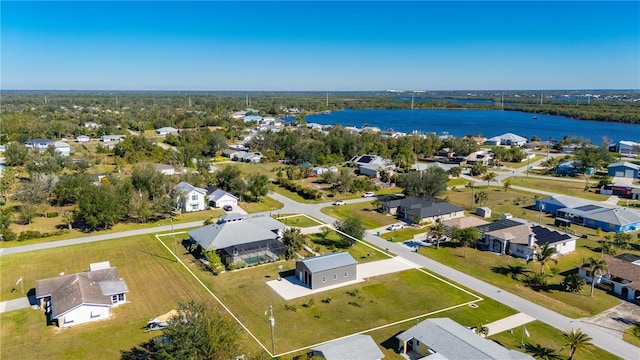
pixel 516 272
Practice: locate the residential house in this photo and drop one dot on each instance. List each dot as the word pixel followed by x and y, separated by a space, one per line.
pixel 625 147
pixel 520 240
pixel 483 157
pixel 622 190
pixel 239 239
pixel 354 347
pixel 445 339
pixel 112 138
pixel 370 164
pixel 191 198
pixel 425 166
pixel 422 210
pixel 39 144
pixel 219 198
pixel 317 171
pixel 92 125
pixel 508 139
pixel 83 139
pixel 83 297
pixel 62 148
pixel 165 169
pixel 624 170
pixel 167 130
pixel 623 272
pixel 326 270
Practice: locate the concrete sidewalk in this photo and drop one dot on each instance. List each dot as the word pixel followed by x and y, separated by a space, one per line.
pixel 508 323
pixel 15 304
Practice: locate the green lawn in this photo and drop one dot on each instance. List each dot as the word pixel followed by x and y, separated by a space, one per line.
pixel 570 188
pixel 362 252
pixel 266 204
pixel 497 270
pixel 404 234
pixel 297 220
pixel 364 211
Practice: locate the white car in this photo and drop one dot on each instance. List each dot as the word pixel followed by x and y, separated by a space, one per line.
pixel 369 194
pixel 395 227
pixel 339 202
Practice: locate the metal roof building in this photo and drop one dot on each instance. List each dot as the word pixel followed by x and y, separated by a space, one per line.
pixel 326 270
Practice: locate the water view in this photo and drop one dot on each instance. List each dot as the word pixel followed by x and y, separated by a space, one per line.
pixel 489 123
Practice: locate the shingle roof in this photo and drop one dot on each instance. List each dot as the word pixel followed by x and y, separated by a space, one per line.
pixel 454 341
pixel 424 208
pixel 465 222
pixel 329 261
pixel 623 269
pixel 189 188
pixel 617 216
pixel 356 347
pixel 236 229
pixel 218 193
pixel 91 287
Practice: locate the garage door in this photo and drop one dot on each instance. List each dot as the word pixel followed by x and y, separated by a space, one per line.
pixel 628 173
pixel 619 174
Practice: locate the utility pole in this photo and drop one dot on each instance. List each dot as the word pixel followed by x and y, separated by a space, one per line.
pixel 272 323
pixel 175 250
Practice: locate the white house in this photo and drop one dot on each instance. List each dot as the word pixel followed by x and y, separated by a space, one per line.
pixel 167 130
pixel 83 139
pixel 166 169
pixel 625 147
pixel 110 138
pixel 83 297
pixel 62 148
pixel 219 198
pixel 192 198
pixel 508 139
pixel 91 125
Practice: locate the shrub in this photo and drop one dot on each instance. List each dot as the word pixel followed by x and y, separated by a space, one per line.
pixel 327 300
pixel 573 283
pixel 537 279
pixel 51 214
pixel 292 307
pixel 31 234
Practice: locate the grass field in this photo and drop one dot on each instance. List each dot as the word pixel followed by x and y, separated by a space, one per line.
pixel 496 270
pixel 370 218
pixel 266 204
pixel 404 234
pixel 570 188
pixel 297 220
pixel 324 244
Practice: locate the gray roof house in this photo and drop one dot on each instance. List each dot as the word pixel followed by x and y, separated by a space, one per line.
pixel 355 347
pixel 83 297
pixel 326 270
pixel 242 239
pixel 624 169
pixel 443 338
pixel 219 198
pixel 424 210
pixel 508 139
pixel 369 164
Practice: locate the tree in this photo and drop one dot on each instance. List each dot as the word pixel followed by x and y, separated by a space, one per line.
pixel 437 231
pixel 455 171
pixel 69 188
pixel 506 185
pixel 543 254
pixel 198 332
pixel 481 197
pixel 294 240
pixel 258 185
pixel 353 229
pixel 465 237
pixel 482 330
pixel 429 183
pixel 228 179
pixel 16 154
pixel 597 266
pixel 576 339
pixel 147 179
pixel 102 206
pixel 67 218
pixel 573 283
pixel 28 211
pixel 489 177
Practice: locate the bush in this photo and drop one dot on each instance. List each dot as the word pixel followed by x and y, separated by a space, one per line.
pixel 537 279
pixel 8 235
pixel 31 234
pixel 573 283
pixel 51 214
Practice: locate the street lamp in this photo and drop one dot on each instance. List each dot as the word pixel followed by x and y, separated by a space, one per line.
pixel 272 323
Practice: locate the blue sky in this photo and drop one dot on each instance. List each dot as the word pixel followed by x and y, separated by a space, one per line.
pixel 304 45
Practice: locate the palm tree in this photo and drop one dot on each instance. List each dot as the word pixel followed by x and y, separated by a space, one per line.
pixel 481 197
pixel 437 231
pixel 576 339
pixel 543 254
pixel 482 330
pixel 597 267
pixel 540 352
pixel 489 177
pixel 506 185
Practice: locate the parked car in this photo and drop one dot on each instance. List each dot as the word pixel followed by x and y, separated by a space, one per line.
pixel 369 194
pixel 161 321
pixel 393 227
pixel 339 202
pixel 227 208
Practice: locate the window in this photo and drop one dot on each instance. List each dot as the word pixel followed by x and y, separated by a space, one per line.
pixel 194 206
pixel 120 297
pixel 346 274
pixel 335 276
pixel 114 299
pixel 324 279
pixel 194 197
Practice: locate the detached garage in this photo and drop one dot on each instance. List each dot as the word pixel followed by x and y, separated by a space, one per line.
pixel 326 270
pixel 624 170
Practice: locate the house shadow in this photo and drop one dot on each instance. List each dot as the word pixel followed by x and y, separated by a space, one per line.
pixel 31 295
pixel 287 273
pixel 391 343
